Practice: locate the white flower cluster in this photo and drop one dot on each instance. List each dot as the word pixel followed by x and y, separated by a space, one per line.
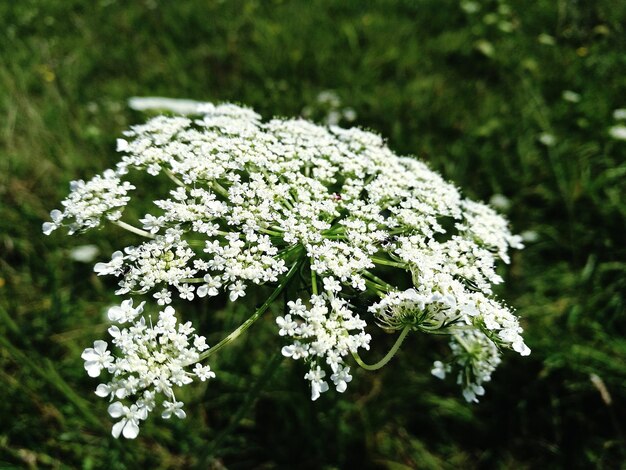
pixel 476 357
pixel 103 195
pixel 151 363
pixel 326 331
pixel 253 201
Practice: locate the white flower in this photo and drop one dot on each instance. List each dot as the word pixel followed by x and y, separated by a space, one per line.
pixel 439 370
pixel 472 392
pixel 238 289
pixel 173 408
pixel 529 236
pixel 178 106
pixel 112 267
pixel 331 284
pixel 151 223
pixel 318 385
pixel 203 372
pixel 547 139
pixel 500 202
pixel 84 253
pixel 97 358
pixel 163 297
pixel 186 292
pixel 295 351
pixel 341 378
pixel 571 96
pixel 125 312
pixel 618 132
pixel 57 217
pixel 619 114
pixel 128 426
pixel 287 326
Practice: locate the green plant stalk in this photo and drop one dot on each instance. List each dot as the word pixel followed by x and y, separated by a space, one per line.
pixel 392 352
pixel 256 315
pixel 133 229
pixel 379 290
pixel 313 282
pixel 219 189
pixel 389 263
pixel 379 281
pixel 171 176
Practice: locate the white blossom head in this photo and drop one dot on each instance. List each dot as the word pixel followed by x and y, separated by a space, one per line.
pixel 368 237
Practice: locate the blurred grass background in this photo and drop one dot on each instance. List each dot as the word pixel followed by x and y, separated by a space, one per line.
pixel 503 97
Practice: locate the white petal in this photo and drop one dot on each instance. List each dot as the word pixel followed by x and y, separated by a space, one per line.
pixel 117 428
pixel 90 355
pixel 180 414
pixel 114 313
pixel 56 215
pixel 48 227
pixel 100 268
pixel 93 368
pixel 103 390
pixel 131 430
pixel 116 410
pixel 315 393
pixel 142 413
pixel 100 346
pixel 114 331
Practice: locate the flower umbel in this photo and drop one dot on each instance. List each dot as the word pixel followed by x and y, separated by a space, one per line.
pixel 332 212
pixel 151 363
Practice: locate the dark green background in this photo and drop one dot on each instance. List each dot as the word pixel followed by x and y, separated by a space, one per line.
pixel 458 90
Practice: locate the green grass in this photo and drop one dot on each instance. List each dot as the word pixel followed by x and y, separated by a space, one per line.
pixel 446 85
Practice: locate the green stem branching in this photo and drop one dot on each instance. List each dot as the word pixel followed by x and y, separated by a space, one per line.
pixel 256 315
pixel 392 352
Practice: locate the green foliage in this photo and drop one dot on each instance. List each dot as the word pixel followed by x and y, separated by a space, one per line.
pixel 475 88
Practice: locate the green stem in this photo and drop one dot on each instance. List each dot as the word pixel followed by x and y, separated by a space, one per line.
pixel 388 356
pixel 378 289
pixel 256 315
pixel 388 263
pixel 313 282
pixel 284 254
pixel 133 229
pixel 171 176
pixel 334 230
pixel 335 237
pixel 378 280
pixel 219 189
pixel 271 232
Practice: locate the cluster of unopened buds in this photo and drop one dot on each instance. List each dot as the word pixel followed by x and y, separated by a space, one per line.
pixel 253 204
